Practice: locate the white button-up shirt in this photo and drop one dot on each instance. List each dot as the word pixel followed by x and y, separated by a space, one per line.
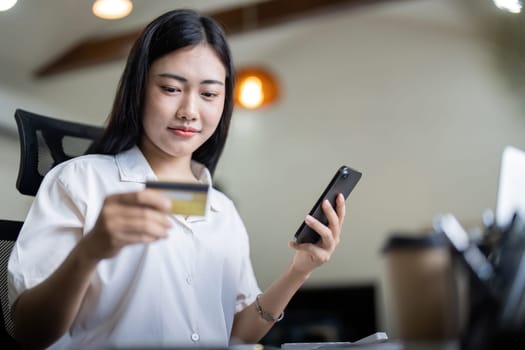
pixel 180 291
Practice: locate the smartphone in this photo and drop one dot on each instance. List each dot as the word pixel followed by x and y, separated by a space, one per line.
pixel 344 181
pixel 186 199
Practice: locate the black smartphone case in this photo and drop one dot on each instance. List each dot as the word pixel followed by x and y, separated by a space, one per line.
pixel 344 181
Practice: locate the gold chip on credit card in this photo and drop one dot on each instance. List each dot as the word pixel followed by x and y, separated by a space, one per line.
pixel 186 198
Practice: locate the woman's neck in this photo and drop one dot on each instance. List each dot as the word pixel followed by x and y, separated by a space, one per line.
pixel 169 168
pixel 175 173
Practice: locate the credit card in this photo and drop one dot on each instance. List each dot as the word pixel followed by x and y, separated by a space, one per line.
pixel 186 198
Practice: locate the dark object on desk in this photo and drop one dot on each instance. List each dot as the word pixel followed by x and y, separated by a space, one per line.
pixel 497 286
pixel 321 314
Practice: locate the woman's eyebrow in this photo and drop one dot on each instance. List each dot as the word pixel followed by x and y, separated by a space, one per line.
pixel 212 81
pixel 184 80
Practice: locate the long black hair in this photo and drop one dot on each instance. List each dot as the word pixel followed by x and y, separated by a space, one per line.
pixel 171 31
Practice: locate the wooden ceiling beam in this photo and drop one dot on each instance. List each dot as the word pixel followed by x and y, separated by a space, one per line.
pixel 235 20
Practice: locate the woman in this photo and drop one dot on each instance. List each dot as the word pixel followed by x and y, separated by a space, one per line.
pixel 102 262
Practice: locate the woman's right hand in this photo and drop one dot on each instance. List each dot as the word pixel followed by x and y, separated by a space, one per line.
pixel 128 218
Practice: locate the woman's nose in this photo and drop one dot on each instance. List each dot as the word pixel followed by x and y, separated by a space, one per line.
pixel 188 108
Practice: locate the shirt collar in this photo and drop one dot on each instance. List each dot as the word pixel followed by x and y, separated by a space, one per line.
pixel 134 167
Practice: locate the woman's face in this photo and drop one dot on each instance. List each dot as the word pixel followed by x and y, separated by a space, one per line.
pixel 184 101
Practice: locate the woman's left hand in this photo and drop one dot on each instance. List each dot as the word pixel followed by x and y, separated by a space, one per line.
pixel 309 256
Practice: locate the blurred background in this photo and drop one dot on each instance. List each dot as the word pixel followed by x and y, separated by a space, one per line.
pixel 421 96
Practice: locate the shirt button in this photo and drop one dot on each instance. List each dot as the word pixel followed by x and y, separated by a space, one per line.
pixel 195 337
pixel 189 279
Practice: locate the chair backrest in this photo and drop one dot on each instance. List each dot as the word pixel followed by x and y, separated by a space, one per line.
pixel 8 234
pixel 46 142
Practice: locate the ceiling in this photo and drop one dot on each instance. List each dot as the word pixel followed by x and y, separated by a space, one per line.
pixel 36 33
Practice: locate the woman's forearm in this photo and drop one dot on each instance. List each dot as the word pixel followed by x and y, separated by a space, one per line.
pixel 42 314
pixel 249 326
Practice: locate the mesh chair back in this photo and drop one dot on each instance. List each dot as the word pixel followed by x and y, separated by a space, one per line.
pixel 46 142
pixel 8 233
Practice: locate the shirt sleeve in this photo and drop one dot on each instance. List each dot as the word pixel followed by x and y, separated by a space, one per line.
pixel 51 229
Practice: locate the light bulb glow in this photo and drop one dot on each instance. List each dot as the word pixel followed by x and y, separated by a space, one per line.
pixel 251 95
pixel 255 87
pixel 512 6
pixel 6 4
pixel 112 9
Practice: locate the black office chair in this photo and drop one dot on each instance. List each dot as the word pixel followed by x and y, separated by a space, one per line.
pixel 8 233
pixel 44 143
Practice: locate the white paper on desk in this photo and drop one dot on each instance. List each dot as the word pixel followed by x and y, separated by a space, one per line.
pixel 370 342
pixel 511 190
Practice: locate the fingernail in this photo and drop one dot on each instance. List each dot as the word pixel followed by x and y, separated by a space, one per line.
pixel 308 218
pixel 167 204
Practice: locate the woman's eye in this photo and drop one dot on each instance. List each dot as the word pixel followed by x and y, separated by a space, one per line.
pixel 170 89
pixel 209 94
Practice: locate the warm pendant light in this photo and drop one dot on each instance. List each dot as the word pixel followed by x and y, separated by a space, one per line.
pixel 255 87
pixel 6 4
pixel 112 9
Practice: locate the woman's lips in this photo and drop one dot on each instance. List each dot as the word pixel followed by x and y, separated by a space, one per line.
pixel 184 131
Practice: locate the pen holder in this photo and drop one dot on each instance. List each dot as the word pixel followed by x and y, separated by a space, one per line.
pixel 423 289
